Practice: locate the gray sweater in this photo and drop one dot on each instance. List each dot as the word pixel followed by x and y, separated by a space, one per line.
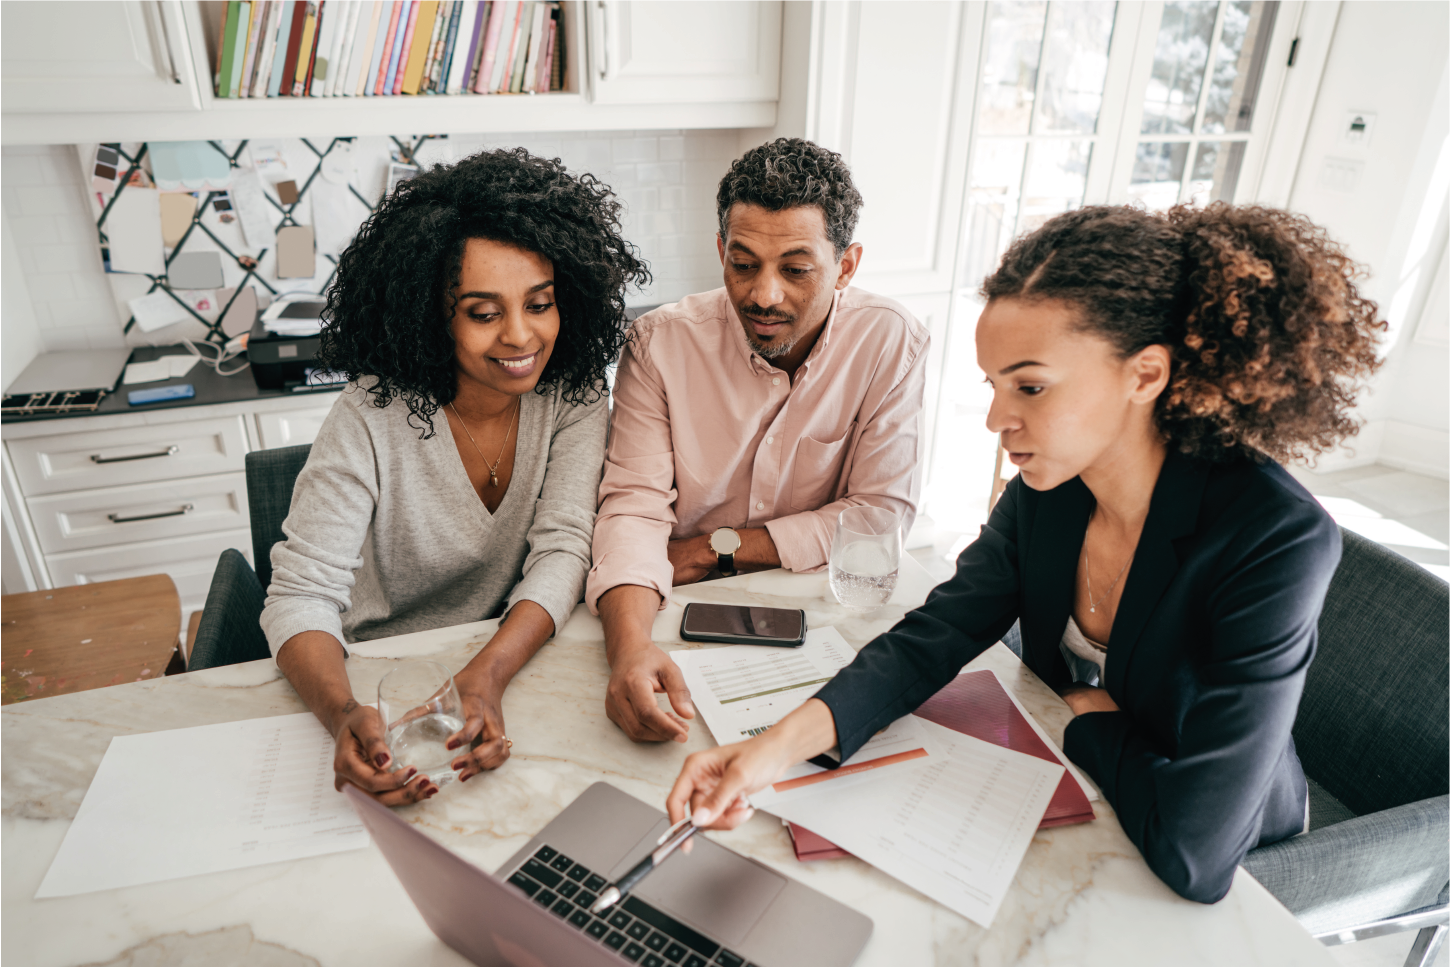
pixel 386 536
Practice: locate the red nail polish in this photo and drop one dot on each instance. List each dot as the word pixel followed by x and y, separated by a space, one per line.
pixel 453 744
pixel 381 759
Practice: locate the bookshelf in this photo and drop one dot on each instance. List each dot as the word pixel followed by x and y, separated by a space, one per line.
pixel 576 108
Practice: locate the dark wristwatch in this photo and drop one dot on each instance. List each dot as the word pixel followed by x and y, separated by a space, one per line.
pixel 725 542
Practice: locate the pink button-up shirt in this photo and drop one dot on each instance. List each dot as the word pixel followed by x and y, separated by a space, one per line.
pixel 707 434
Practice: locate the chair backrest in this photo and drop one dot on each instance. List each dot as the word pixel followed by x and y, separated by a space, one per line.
pixel 1372 726
pixel 271 475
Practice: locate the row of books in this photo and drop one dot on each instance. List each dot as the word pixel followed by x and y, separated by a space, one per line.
pixel 335 48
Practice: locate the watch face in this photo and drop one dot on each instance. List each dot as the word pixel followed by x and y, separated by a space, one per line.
pixel 725 541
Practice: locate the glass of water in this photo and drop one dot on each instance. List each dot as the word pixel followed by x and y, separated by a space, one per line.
pixel 420 708
pixel 865 557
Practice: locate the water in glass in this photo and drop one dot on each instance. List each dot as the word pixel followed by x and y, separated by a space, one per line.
pixel 865 557
pixel 421 708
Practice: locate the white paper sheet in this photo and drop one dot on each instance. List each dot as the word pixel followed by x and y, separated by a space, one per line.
pixel 742 690
pixel 249 199
pixel 954 828
pixel 165 805
pixel 156 311
pixel 167 367
pixel 133 232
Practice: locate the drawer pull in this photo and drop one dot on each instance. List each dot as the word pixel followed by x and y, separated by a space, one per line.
pixel 117 519
pixel 168 452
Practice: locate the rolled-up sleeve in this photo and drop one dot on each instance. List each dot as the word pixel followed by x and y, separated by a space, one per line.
pixel 883 470
pixel 559 538
pixel 314 569
pixel 637 493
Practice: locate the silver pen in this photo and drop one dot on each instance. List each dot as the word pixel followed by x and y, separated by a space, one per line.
pixel 664 846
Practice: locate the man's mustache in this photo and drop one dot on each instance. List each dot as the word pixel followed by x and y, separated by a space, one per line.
pixel 761 313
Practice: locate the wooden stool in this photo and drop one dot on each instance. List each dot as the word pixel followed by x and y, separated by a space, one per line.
pixel 87 636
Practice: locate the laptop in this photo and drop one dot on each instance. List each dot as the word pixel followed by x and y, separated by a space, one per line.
pixel 710 907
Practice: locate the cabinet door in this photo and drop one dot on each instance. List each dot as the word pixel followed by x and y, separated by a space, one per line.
pixel 96 55
pixel 189 561
pixel 291 428
pixel 647 52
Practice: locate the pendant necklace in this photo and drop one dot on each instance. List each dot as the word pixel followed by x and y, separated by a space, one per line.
pixel 493 467
pixel 1088 569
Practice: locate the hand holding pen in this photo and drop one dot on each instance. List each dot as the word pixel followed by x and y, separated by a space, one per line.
pixel 673 838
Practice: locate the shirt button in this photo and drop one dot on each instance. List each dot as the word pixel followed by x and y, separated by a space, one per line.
pixel 769 440
pixel 760 505
pixel 775 381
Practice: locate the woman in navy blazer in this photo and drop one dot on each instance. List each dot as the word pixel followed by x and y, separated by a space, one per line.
pixel 1148 372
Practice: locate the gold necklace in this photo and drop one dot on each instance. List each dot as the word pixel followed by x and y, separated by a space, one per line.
pixel 1088 570
pixel 492 467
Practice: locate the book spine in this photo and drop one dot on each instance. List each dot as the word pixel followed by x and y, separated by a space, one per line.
pixel 337 78
pixel 228 49
pixel 546 63
pixel 405 45
pixel 499 51
pixel 304 50
pixel 444 30
pixel 536 46
pixel 363 56
pixel 344 14
pixel 284 38
pixel 319 52
pixel 519 49
pixel 487 10
pixel 420 33
pixel 239 55
pixel 488 55
pixel 396 53
pixel 221 51
pixel 558 59
pixel 249 63
pixel 294 43
pixel 448 48
pixel 266 46
pixel 387 46
pixel 458 55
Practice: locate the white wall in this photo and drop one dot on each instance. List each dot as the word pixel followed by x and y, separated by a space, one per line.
pixel 666 180
pixel 1389 58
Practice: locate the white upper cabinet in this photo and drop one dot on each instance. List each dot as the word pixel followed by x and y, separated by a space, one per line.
pixel 650 52
pixel 95 55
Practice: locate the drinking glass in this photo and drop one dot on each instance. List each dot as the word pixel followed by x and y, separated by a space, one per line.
pixel 865 557
pixel 420 708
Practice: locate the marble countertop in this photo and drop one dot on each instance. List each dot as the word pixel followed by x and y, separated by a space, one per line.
pixel 1083 895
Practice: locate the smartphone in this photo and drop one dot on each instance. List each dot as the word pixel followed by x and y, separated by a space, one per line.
pixel 743 625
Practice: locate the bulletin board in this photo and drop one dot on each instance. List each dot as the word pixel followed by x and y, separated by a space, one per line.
pixel 333 188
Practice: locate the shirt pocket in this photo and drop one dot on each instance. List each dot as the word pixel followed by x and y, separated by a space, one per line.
pixel 817 472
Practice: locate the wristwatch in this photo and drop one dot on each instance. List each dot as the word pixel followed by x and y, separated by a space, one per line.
pixel 725 542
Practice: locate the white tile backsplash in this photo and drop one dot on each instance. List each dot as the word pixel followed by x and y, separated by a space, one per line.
pixel 666 181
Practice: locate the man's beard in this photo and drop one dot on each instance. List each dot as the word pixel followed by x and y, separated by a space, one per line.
pixel 777 347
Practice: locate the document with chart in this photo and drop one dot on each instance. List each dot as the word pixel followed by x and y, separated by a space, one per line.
pixel 164 805
pixel 743 690
pixel 954 828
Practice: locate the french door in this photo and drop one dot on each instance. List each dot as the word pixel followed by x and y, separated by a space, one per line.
pixel 1088 102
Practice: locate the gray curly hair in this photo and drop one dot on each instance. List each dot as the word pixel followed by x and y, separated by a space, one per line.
pixel 789 173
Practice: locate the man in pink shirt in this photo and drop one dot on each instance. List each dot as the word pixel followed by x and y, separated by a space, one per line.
pixel 747 418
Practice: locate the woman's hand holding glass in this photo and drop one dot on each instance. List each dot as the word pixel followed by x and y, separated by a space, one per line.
pixel 361 757
pixel 482 738
pixel 715 784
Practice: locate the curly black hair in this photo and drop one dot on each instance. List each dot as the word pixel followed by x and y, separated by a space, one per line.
pixel 789 173
pixel 1269 337
pixel 388 312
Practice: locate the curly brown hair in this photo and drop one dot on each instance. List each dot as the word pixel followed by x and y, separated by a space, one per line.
pixel 1269 337
pixel 789 173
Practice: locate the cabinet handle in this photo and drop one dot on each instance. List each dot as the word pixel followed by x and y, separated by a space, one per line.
pixel 183 509
pixel 168 452
pixel 166 41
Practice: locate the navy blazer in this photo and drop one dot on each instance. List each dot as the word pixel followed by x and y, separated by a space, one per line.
pixel 1214 632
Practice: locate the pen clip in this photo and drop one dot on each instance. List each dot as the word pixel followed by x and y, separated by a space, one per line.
pixel 671 831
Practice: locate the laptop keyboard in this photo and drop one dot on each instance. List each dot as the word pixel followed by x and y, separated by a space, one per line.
pixel 631 928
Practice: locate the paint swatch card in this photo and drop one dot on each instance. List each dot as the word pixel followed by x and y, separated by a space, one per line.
pixel 133 231
pixel 296 255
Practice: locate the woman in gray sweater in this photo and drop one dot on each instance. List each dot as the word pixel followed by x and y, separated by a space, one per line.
pixel 476 313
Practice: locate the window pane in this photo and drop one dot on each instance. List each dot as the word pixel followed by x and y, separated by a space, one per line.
pixel 1158 173
pixel 1075 59
pixel 1239 65
pixel 1056 179
pixel 1215 171
pixel 1009 69
pixel 1179 60
pixel 992 216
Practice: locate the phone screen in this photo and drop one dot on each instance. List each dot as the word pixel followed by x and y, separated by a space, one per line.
pixel 735 619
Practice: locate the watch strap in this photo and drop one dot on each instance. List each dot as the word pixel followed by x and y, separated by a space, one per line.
pixel 725 564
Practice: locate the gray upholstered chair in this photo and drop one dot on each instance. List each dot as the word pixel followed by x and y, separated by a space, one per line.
pixel 1372 734
pixel 229 631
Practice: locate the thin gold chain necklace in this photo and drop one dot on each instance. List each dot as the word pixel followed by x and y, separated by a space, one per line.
pixel 492 467
pixel 1088 570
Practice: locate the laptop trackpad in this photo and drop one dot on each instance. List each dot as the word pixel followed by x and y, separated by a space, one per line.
pixel 718 891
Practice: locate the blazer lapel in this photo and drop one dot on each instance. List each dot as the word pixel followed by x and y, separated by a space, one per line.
pixel 1050 573
pixel 1172 513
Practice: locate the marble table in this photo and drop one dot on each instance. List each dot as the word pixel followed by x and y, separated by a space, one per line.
pixel 1083 895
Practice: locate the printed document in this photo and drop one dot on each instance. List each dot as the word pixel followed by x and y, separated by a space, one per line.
pixel 954 828
pixel 743 690
pixel 164 805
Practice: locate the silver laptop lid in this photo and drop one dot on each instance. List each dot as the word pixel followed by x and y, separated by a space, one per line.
pixel 80 370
